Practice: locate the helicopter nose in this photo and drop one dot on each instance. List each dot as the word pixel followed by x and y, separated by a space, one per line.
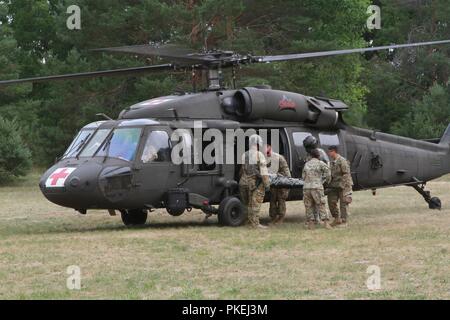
pixel 72 186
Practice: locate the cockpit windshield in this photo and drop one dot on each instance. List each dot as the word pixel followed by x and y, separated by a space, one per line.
pixel 95 142
pixel 78 143
pixel 122 144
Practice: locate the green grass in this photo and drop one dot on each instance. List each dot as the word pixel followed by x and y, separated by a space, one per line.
pixel 185 258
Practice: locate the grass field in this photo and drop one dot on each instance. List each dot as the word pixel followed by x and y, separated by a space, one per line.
pixel 178 258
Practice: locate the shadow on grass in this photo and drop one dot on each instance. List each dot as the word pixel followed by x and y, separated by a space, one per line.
pixel 160 225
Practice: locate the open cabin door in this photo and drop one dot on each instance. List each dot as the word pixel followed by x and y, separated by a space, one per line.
pixel 199 173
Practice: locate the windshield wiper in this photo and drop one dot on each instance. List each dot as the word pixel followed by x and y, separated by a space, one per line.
pixel 81 145
pixel 106 146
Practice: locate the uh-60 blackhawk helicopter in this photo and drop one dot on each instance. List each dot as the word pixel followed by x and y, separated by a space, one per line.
pixel 106 166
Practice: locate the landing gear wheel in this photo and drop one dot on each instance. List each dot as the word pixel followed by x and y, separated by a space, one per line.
pixel 175 212
pixel 134 217
pixel 435 203
pixel 232 212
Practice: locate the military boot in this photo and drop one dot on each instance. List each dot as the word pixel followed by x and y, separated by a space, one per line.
pixel 336 222
pixel 311 225
pixel 343 224
pixel 280 220
pixel 327 225
pixel 274 220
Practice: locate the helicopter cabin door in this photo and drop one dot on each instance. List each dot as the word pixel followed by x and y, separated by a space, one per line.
pixel 153 164
pixel 200 172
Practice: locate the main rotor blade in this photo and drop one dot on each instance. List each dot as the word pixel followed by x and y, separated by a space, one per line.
pixel 301 56
pixel 94 74
pixel 170 52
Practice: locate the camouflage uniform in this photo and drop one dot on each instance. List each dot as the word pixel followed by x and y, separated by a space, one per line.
pixel 253 183
pixel 324 158
pixel 315 174
pixel 277 164
pixel 339 188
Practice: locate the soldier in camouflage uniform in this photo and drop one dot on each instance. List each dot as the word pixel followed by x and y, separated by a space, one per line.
pixel 254 181
pixel 310 143
pixel 277 164
pixel 340 187
pixel 315 174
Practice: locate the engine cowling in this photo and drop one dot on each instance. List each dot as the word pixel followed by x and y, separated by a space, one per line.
pixel 253 104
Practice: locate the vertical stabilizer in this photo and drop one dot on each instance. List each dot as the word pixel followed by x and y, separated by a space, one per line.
pixel 446 137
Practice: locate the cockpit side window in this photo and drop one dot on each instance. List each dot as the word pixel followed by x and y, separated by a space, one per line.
pixel 78 143
pixel 157 147
pixel 95 142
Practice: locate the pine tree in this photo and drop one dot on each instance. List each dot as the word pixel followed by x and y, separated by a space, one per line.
pixel 15 158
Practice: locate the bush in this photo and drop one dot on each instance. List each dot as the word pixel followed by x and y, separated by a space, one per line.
pixel 15 157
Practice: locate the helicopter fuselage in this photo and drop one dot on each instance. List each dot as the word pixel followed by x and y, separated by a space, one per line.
pixel 109 165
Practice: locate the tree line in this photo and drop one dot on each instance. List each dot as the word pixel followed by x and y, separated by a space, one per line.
pixel 403 92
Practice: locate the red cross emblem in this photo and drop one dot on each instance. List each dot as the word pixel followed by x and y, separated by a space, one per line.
pixel 58 177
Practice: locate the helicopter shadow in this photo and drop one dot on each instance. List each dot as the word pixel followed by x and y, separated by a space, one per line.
pixel 158 225
pixel 163 225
